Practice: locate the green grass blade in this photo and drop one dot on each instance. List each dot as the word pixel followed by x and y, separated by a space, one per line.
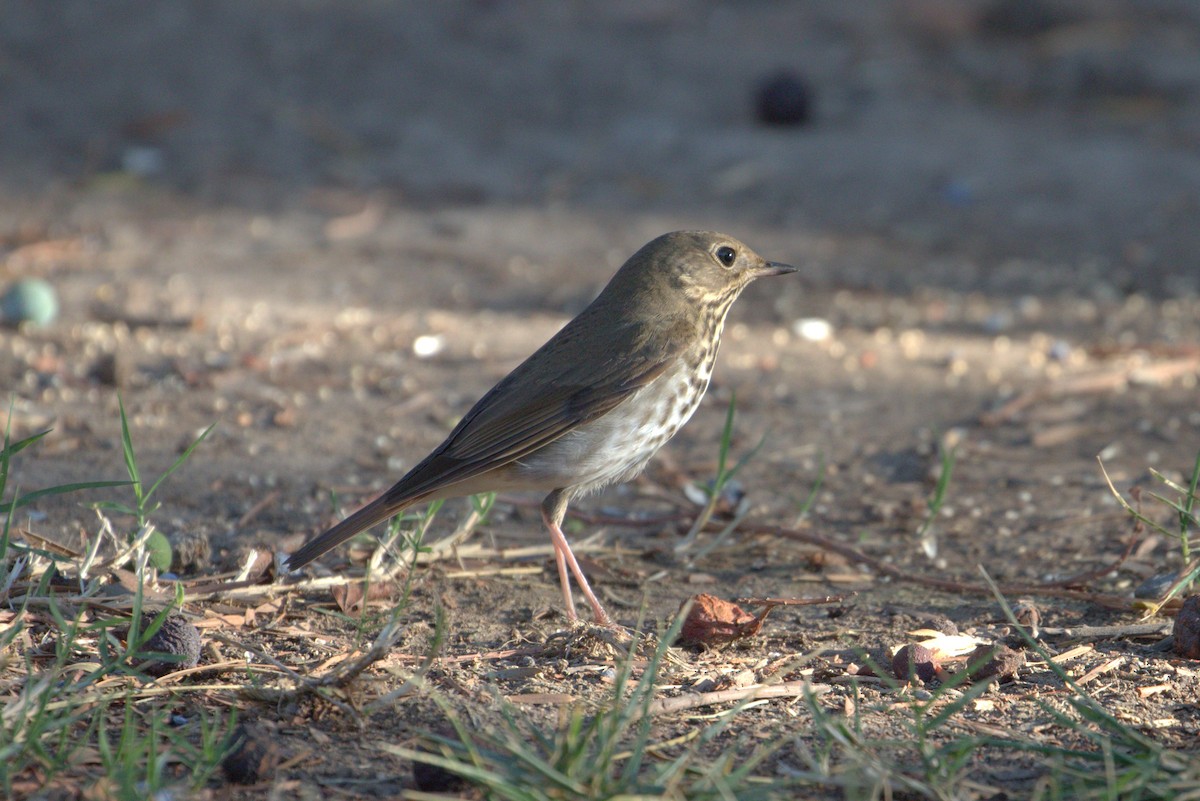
pixel 939 492
pixel 13 448
pixel 130 458
pixel 808 502
pixel 726 436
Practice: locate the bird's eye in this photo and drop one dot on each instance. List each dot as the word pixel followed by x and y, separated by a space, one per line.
pixel 726 255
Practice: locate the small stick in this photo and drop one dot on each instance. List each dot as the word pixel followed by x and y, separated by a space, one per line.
pixel 787 689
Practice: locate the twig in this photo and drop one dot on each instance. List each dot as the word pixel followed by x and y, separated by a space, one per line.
pixel 1101 669
pixel 1108 632
pixel 787 689
pixel 254 511
pixel 828 599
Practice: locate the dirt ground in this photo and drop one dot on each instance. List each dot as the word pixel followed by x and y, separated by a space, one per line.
pixel 328 228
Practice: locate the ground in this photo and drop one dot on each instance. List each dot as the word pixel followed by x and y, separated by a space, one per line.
pixel 327 229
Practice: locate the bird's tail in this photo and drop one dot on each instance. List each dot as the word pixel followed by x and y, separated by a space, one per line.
pixel 374 512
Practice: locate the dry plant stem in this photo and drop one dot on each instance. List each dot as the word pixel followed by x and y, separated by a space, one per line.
pixel 1108 632
pixel 126 553
pixel 1101 669
pixel 257 509
pixel 787 689
pixel 477 656
pixel 38 541
pixel 828 599
pixel 451 541
pixel 342 675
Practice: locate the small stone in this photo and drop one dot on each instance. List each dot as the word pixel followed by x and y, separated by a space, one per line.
pixel 1156 586
pixel 915 661
pixel 940 623
pixel 784 99
pixel 29 300
pixel 177 637
pixel 813 329
pixel 428 345
pixel 994 662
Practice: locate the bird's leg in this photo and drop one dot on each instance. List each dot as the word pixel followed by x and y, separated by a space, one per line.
pixel 564 578
pixel 554 509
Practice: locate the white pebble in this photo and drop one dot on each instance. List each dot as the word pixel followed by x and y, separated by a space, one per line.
pixel 428 345
pixel 813 329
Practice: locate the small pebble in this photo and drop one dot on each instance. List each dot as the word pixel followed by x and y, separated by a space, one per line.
pixel 915 661
pixel 1156 586
pixel 193 551
pixel 428 345
pixel 29 300
pixel 994 661
pixel 813 329
pixel 1060 350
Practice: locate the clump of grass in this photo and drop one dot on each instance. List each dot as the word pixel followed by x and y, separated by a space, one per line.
pixel 1111 760
pixel 75 700
pixel 926 534
pixel 1182 501
pixel 609 753
pixel 141 508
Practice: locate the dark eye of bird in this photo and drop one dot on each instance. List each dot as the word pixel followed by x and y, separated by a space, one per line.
pixel 726 255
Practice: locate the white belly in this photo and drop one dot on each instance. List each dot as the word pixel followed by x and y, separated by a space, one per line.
pixel 616 447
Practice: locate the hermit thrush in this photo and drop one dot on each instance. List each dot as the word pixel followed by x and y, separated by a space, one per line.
pixel 593 404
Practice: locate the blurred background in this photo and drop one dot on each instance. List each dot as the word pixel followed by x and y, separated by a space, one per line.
pixel 949 137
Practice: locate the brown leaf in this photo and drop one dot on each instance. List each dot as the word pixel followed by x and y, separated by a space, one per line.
pixel 713 621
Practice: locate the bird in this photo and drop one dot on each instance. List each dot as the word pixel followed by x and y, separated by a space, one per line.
pixel 592 405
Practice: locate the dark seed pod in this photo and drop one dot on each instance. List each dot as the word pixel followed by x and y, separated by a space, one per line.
pixel 177 637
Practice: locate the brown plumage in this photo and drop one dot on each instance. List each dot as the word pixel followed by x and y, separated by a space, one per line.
pixel 592 405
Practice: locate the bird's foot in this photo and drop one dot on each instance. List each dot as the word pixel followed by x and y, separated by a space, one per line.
pixel 593 640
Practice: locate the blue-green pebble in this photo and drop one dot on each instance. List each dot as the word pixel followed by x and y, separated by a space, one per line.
pixel 29 300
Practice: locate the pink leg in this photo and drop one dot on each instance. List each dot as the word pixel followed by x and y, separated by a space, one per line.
pixel 554 508
pixel 564 578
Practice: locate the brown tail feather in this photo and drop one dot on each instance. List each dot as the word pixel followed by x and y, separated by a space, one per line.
pixel 374 512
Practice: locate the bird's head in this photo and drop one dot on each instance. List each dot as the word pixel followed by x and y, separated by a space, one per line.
pixel 705 265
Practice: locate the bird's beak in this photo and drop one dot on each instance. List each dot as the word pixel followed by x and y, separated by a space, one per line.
pixel 775 268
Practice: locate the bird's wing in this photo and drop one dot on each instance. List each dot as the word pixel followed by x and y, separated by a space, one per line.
pixel 571 380
pixel 533 406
